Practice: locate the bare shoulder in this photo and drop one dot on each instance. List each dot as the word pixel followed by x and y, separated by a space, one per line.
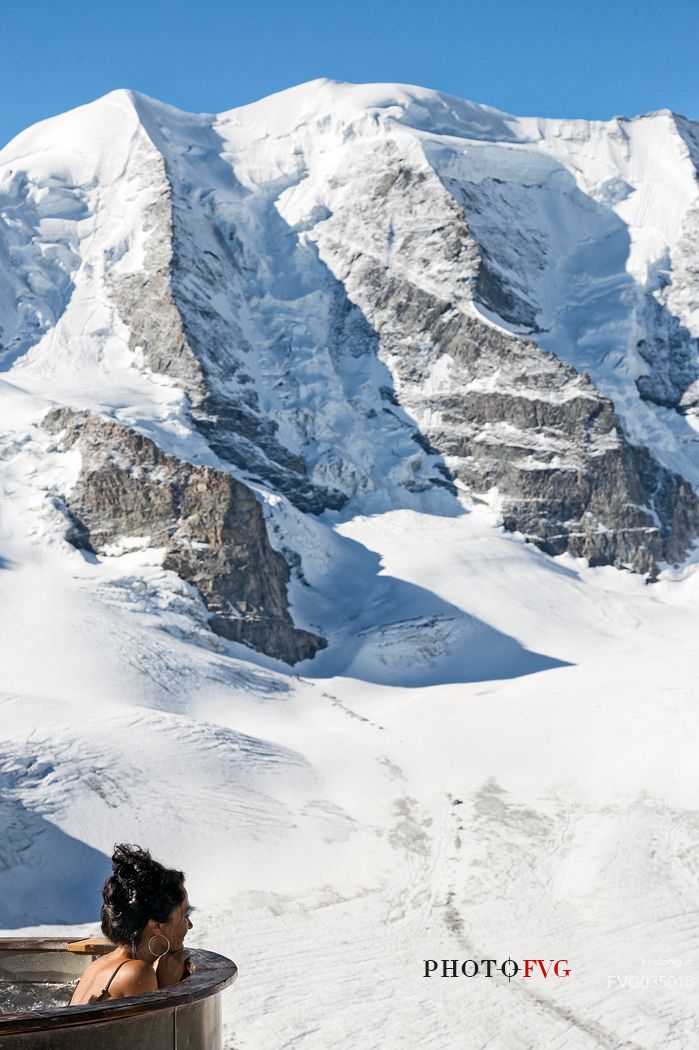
pixel 134 978
pixel 131 977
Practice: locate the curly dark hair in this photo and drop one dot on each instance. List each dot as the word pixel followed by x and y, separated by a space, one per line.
pixel 140 889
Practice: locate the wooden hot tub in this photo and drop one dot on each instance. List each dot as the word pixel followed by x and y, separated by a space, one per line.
pixel 186 1016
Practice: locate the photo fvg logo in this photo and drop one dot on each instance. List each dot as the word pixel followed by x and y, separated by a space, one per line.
pixel 488 967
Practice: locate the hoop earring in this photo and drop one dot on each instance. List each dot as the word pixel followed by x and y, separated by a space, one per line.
pixel 158 955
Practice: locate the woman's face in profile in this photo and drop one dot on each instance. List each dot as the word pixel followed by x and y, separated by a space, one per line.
pixel 178 925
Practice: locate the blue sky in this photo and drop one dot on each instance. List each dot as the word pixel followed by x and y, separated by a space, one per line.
pixel 546 57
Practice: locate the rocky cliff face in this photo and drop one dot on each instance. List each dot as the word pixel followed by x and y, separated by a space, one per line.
pixel 505 414
pixel 143 297
pixel 669 325
pixel 210 525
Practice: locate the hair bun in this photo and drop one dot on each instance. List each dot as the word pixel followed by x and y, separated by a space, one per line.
pixel 128 861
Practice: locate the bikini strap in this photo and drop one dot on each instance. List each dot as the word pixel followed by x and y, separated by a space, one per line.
pixel 106 987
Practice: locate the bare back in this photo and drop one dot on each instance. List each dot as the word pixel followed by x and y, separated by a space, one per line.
pixel 114 977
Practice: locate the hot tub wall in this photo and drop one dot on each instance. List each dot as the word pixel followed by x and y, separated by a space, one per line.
pixel 196 1026
pixel 20 965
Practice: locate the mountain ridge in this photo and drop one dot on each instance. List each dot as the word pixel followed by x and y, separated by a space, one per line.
pixel 375 98
pixel 338 299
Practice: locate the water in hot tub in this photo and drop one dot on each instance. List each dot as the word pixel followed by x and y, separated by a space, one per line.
pixel 33 995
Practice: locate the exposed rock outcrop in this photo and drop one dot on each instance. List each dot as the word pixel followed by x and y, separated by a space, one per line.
pixel 210 524
pixel 669 341
pixel 504 413
pixel 144 297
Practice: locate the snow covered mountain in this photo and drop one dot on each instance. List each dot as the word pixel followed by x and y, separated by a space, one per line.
pixel 363 296
pixel 327 426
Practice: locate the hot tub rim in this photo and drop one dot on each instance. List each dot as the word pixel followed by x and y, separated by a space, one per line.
pixel 191 990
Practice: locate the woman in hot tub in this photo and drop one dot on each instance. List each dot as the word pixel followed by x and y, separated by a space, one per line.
pixel 146 915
